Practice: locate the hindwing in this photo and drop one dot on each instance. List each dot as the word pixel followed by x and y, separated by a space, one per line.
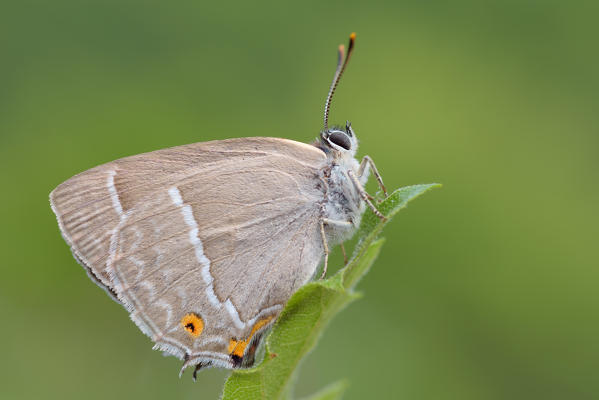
pixel 203 243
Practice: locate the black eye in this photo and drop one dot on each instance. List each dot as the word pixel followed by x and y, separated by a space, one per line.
pixel 340 139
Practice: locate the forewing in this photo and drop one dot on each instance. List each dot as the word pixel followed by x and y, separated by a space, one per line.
pixel 202 243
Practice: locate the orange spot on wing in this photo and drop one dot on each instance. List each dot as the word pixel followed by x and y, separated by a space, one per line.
pixel 237 348
pixel 233 346
pixel 193 324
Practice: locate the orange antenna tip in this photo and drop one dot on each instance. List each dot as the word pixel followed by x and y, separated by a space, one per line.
pixel 352 36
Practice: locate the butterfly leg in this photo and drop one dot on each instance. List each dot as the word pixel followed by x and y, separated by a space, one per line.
pixel 326 249
pixel 345 260
pixel 199 367
pixel 367 162
pixel 364 195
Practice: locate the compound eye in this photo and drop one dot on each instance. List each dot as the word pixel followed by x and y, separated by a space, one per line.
pixel 340 139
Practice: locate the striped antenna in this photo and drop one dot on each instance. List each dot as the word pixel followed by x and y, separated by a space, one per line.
pixel 338 72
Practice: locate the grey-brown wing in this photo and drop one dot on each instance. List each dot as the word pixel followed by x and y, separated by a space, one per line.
pixel 203 243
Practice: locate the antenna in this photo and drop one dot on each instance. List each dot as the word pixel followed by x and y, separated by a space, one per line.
pixel 341 63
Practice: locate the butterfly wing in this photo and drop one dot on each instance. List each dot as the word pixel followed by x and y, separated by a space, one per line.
pixel 202 243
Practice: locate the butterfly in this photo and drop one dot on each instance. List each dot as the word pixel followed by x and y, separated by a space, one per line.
pixel 203 244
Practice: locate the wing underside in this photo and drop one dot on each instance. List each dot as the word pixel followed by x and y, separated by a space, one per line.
pixel 203 243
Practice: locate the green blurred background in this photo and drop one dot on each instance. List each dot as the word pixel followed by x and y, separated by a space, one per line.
pixel 486 288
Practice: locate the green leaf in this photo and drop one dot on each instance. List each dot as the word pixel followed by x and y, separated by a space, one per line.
pixel 372 226
pixel 310 309
pixel 296 332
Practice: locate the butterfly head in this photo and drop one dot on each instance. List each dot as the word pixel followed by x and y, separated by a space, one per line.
pixel 341 140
